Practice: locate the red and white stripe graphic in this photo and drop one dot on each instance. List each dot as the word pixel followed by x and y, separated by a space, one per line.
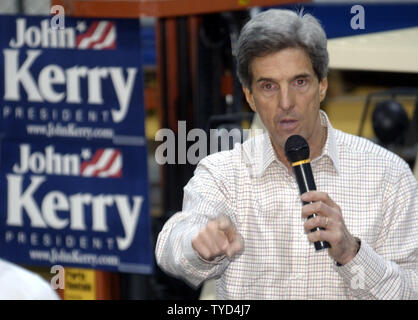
pixel 100 35
pixel 106 163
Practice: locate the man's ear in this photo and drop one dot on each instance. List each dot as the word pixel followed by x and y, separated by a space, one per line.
pixel 323 86
pixel 249 98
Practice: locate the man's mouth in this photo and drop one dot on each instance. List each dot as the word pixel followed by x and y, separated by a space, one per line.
pixel 288 124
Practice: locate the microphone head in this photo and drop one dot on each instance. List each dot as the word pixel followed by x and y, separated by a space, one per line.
pixel 296 148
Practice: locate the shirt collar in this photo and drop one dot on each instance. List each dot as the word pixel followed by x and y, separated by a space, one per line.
pixel 268 155
pixel 331 146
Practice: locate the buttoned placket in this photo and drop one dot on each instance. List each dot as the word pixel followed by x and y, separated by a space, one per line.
pixel 297 276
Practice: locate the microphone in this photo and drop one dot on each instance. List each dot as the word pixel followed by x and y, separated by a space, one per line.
pixel 297 152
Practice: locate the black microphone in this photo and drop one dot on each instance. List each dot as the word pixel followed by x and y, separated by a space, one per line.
pixel 297 152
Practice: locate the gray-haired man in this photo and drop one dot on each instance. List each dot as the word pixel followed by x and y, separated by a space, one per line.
pixel 242 220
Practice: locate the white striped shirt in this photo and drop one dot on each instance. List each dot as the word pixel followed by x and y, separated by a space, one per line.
pixel 374 188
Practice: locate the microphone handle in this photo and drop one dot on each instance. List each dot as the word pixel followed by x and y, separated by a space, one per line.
pixel 306 182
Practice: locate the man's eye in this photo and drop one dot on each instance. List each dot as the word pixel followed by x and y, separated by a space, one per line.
pixel 300 82
pixel 268 86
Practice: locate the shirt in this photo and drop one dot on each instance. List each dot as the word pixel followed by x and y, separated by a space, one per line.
pixel 377 194
pixel 17 283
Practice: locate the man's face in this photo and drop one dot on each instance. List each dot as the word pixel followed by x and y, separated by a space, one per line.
pixel 286 94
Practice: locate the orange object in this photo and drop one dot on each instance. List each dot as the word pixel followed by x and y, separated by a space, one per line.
pixel 227 84
pixel 172 71
pixel 151 98
pixel 156 8
pixel 107 285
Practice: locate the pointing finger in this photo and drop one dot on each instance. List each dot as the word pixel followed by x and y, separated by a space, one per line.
pixel 225 224
pixel 236 242
pixel 235 246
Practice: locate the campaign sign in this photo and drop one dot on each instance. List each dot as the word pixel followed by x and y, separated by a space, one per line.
pixel 73 170
pixel 83 81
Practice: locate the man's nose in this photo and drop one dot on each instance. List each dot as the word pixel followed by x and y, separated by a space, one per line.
pixel 287 98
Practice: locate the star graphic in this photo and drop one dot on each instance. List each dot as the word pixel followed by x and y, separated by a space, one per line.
pixel 81 26
pixel 86 154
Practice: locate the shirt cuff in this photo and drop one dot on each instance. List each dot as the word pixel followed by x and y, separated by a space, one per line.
pixel 365 271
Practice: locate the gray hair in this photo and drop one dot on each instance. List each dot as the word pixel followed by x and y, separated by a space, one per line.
pixel 277 29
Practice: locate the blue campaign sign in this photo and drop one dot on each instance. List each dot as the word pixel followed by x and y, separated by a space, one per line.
pixel 76 205
pixel 73 170
pixel 83 81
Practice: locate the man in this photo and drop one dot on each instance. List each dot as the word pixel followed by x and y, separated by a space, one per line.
pixel 242 220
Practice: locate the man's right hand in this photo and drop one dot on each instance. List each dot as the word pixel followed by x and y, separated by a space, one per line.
pixel 219 237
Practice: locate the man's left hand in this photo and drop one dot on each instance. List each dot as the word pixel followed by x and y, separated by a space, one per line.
pixel 344 246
